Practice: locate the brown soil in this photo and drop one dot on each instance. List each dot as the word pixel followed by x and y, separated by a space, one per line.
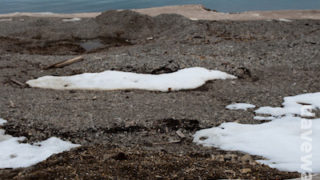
pixel 100 162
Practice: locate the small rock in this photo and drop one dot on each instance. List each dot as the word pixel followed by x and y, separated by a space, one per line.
pixel 203 138
pixel 246 159
pixel 219 158
pixel 120 156
pixel 12 105
pixel 180 134
pixel 230 157
pixel 229 172
pixel 245 170
pixel 174 141
pixel 13 156
pixel 107 156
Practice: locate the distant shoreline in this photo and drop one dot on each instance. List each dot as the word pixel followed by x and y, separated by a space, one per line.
pixel 194 12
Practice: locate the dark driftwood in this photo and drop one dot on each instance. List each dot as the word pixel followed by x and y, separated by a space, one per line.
pixel 64 63
pixel 18 83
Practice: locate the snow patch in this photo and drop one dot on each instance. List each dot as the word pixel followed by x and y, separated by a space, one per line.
pixel 256 14
pixel 14 154
pixel 279 140
pixel 285 20
pixel 292 105
pixel 6 20
pixel 2 121
pixel 241 106
pixel 188 78
pixel 264 118
pixel 71 20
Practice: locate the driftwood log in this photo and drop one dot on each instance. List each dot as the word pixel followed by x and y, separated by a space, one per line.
pixel 64 63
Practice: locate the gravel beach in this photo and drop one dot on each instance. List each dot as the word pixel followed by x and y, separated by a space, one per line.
pixel 136 134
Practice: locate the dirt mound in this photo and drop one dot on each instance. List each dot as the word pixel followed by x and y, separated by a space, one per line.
pixel 110 29
pixel 125 24
pixel 133 26
pixel 126 163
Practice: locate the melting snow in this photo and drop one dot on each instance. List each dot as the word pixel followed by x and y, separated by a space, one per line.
pixel 188 78
pixel 194 19
pixel 293 105
pixel 71 20
pixel 16 155
pixel 5 20
pixel 279 141
pixel 2 121
pixel 285 20
pixel 242 106
pixel 262 118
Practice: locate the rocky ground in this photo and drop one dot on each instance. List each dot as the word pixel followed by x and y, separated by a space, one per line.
pixel 135 134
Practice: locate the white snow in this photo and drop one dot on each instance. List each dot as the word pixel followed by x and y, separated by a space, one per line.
pixel 2 121
pixel 188 78
pixel 292 105
pixel 242 106
pixel 285 20
pixel 14 154
pixel 261 118
pixel 279 141
pixel 194 19
pixel 71 20
pixel 6 20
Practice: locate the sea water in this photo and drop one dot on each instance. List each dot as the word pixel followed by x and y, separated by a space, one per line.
pixel 73 6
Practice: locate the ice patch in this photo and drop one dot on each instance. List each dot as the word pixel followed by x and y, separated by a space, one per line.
pixel 242 106
pixel 16 155
pixel 189 78
pixel 279 141
pixel 71 20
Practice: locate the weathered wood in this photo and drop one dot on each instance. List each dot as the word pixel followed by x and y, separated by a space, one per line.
pixel 64 63
pixel 18 82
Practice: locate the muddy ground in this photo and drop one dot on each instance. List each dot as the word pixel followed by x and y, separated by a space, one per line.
pixel 132 134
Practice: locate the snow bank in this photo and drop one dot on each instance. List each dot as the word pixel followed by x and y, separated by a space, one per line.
pixel 279 141
pixel 16 155
pixel 189 78
pixel 242 106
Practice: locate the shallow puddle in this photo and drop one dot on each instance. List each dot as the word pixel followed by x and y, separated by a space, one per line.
pixel 91 45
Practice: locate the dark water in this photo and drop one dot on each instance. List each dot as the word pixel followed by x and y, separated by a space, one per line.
pixel 62 6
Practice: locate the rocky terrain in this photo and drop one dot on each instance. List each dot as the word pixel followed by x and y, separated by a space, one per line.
pixel 136 134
